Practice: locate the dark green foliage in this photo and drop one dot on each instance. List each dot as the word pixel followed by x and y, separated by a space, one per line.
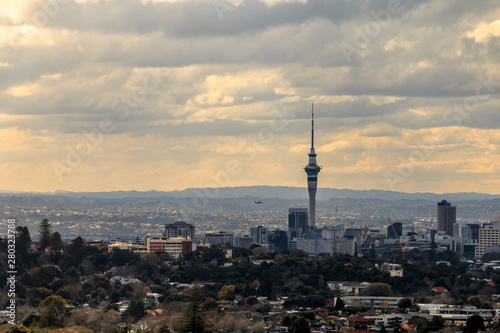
pixel 241 252
pixel 377 289
pixel 252 300
pixel 135 311
pixel 286 321
pixel 404 303
pixel 308 315
pixel 209 305
pixel 44 234
pixel 163 329
pixel 36 295
pixel 23 244
pixel 122 257
pixel 56 241
pixel 52 310
pixel 339 305
pixel 43 276
pixel 436 323
pixel 193 317
pixel 474 324
pixel 31 319
pixel 300 325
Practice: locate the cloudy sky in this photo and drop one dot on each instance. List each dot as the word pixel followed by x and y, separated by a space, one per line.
pixel 99 95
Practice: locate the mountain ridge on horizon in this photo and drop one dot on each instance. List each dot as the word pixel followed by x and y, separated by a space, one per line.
pixel 268 192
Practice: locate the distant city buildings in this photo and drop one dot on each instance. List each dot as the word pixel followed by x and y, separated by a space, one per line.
pixel 446 217
pixel 398 227
pixel 297 222
pixel 220 237
pixel 245 241
pixel 175 246
pixel 259 234
pixel 179 229
pixel 278 240
pixel 489 238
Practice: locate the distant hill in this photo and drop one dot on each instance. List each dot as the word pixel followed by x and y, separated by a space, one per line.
pixel 268 192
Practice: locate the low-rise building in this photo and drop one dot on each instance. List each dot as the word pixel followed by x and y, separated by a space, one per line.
pixel 373 302
pixel 348 287
pixel 175 246
pixel 393 269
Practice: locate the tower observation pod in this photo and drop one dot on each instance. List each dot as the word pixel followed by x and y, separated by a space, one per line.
pixel 312 170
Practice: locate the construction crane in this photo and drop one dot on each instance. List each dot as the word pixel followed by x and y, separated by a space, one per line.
pixel 403 248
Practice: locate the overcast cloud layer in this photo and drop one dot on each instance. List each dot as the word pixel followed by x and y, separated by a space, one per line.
pixel 165 95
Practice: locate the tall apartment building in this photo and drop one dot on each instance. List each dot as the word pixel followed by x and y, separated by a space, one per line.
pixel 259 234
pixel 297 222
pixel 489 235
pixel 446 217
pixel 179 229
pixel 398 226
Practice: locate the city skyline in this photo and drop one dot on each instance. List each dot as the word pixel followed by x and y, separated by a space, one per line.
pixel 174 94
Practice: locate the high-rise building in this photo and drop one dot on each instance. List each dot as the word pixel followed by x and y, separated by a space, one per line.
pixel 312 170
pixel 398 226
pixel 179 229
pixel 259 234
pixel 489 236
pixel 446 217
pixel 279 239
pixel 297 222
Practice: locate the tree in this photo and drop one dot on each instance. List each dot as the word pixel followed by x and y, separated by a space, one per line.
pixel 377 289
pixel 45 233
pixel 52 310
pixel 474 324
pixel 163 329
pixel 300 325
pixel 436 323
pixel 404 303
pixel 56 241
pixel 36 295
pixel 252 300
pixel 135 311
pixel 23 244
pixel 193 318
pixel 339 304
pixel 227 293
pixel 286 321
pixel 420 322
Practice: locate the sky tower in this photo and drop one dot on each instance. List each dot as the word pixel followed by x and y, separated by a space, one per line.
pixel 312 170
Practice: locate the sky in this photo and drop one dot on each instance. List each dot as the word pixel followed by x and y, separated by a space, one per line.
pixel 104 95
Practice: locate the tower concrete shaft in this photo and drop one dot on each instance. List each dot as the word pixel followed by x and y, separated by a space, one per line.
pixel 312 170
